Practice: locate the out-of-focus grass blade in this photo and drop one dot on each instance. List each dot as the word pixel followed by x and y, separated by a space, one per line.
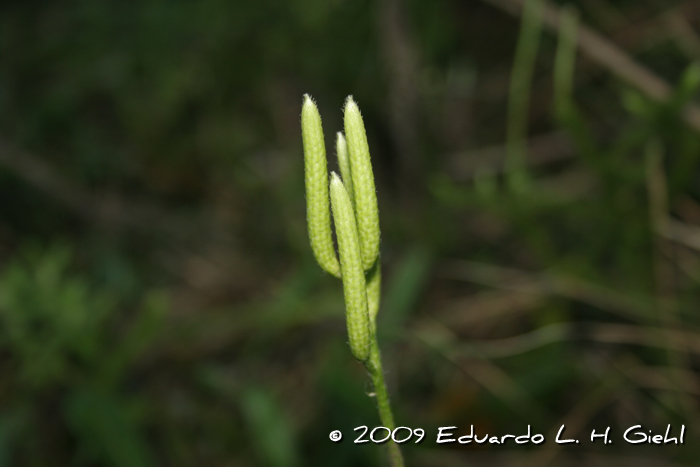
pixel 270 429
pixel 565 108
pixel 405 287
pixel 519 95
pixel 687 87
pixel 8 424
pixel 143 331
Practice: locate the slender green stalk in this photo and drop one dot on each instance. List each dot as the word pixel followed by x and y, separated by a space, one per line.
pixel 356 218
pixel 564 63
pixel 519 96
pixel 565 108
pixel 383 406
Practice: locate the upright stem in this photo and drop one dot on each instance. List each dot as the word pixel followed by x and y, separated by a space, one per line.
pixel 385 415
pixel 519 95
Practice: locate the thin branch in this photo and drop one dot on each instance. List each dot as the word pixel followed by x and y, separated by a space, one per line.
pixel 542 149
pixel 544 284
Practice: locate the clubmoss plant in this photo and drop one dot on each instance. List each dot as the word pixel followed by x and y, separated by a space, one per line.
pixel 356 217
pixel 354 284
pixel 363 184
pixel 318 216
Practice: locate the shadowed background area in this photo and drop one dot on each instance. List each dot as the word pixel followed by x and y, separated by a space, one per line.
pixel 539 202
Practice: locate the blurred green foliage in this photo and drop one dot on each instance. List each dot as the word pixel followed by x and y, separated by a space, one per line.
pixel 57 334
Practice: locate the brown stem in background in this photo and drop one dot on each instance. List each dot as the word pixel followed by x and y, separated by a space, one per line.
pixel 401 60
